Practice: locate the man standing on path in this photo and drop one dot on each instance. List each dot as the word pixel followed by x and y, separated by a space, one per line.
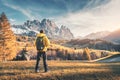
pixel 42 42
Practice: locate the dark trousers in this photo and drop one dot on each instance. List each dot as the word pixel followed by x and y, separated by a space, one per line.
pixel 43 54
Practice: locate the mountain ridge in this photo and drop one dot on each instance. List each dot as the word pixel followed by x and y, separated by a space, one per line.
pixel 114 36
pixel 97 35
pixel 31 28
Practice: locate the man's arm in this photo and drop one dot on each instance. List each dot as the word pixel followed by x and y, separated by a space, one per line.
pixel 34 43
pixel 47 42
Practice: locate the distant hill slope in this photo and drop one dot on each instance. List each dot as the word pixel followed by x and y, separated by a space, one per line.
pixel 105 35
pixel 31 28
pixel 94 44
pixel 97 35
pixel 111 58
pixel 114 36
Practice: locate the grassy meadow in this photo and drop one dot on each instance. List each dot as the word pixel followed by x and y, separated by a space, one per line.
pixel 60 70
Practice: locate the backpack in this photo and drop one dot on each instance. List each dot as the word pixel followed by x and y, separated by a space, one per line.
pixel 39 43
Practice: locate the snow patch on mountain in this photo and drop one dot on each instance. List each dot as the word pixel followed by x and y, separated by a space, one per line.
pixel 31 28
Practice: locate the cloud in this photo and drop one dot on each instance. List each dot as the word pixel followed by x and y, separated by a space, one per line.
pixel 81 19
pixel 99 18
pixel 12 20
pixel 26 12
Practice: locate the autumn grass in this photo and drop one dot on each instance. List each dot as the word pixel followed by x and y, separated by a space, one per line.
pixel 60 70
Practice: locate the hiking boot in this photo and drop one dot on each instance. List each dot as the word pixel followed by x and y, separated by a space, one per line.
pixel 46 71
pixel 37 71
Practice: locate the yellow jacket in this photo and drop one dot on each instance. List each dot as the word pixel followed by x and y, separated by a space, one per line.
pixel 46 41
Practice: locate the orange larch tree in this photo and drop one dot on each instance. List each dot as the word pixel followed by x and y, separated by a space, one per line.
pixel 7 40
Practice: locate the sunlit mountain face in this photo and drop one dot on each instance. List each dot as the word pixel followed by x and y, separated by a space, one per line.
pixel 82 17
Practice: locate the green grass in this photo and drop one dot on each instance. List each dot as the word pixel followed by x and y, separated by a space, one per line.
pixel 60 70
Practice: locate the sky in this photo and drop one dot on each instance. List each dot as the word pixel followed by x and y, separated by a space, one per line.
pixel 80 16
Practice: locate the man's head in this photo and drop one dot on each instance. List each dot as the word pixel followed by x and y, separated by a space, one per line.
pixel 41 31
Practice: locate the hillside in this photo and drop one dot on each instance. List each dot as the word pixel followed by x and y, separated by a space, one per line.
pixel 97 35
pixel 110 58
pixel 57 51
pixel 94 44
pixel 114 36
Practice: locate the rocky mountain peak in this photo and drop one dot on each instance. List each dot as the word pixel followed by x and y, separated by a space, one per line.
pixel 48 23
pixel 50 28
pixel 65 32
